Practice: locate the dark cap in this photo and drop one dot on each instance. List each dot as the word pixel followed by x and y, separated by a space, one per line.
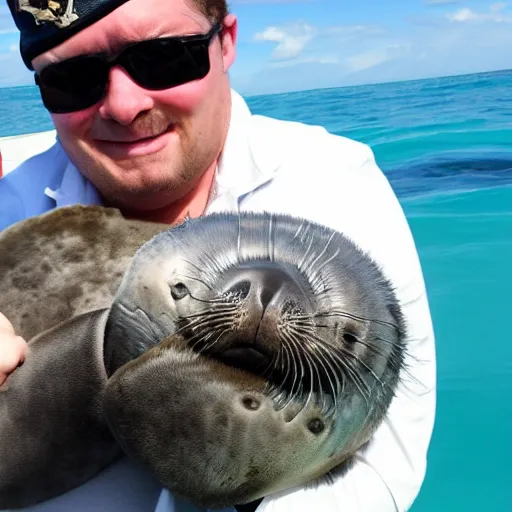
pixel 44 24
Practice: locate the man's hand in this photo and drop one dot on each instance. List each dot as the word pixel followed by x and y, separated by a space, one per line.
pixel 13 349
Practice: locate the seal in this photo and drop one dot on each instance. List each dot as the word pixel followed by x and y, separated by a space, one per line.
pixel 64 263
pixel 59 273
pixel 235 355
pixel 283 347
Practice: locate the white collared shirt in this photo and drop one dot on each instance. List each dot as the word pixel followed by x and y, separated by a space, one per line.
pixel 301 170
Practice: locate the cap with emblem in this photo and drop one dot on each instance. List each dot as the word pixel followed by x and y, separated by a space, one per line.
pixel 44 24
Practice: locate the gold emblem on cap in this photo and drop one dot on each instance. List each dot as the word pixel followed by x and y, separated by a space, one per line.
pixel 59 13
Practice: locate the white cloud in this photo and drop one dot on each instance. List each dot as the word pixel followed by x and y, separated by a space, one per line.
pixel 367 59
pixel 495 14
pixel 318 59
pixel 374 57
pixel 291 40
pixel 351 31
pixel 301 42
pixel 462 15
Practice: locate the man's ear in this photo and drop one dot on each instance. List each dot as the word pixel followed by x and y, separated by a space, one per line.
pixel 228 37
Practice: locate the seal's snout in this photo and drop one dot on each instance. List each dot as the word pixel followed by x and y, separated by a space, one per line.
pixel 268 291
pixel 267 286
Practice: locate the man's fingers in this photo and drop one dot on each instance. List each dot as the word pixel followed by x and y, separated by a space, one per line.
pixel 13 351
pixel 5 325
pixel 23 348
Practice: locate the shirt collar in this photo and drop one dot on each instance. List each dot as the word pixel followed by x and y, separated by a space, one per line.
pixel 74 187
pixel 240 170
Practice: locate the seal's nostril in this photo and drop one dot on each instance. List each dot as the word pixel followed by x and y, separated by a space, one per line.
pixel 240 289
pixel 349 338
pixel 266 284
pixel 261 290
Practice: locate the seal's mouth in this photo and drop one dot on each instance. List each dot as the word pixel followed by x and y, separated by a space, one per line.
pixel 246 357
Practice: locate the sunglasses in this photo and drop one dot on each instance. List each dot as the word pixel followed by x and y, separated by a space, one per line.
pixel 156 64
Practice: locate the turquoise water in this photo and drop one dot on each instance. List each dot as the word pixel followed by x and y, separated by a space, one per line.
pixel 446 146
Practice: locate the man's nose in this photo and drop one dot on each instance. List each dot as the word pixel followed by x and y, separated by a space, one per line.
pixel 125 99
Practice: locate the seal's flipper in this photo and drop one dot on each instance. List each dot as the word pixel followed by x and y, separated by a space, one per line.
pixel 64 263
pixel 58 275
pixel 52 433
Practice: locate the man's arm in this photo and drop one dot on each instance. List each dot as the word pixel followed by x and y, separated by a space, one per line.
pixel 389 472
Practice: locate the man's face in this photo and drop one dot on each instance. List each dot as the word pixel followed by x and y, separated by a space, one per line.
pixel 144 149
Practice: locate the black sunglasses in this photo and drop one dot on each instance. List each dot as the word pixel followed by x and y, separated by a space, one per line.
pixel 156 64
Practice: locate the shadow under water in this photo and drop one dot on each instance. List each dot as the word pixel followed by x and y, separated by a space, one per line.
pixel 450 172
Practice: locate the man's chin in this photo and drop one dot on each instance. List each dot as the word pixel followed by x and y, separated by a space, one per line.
pixel 143 197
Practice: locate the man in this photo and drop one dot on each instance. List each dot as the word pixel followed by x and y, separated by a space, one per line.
pixel 155 130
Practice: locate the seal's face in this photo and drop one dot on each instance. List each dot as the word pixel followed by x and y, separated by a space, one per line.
pixel 283 347
pixel 145 149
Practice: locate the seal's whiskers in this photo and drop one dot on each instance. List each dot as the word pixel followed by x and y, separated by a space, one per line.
pixel 352 316
pixel 199 280
pixel 301 265
pixel 205 271
pixel 206 346
pixel 317 365
pixel 288 395
pixel 331 354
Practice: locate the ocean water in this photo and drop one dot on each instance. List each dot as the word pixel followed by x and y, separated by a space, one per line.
pixel 446 146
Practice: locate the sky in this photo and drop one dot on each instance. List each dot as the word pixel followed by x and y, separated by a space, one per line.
pixel 289 45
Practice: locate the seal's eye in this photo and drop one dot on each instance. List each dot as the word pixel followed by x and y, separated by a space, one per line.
pixel 316 426
pixel 178 291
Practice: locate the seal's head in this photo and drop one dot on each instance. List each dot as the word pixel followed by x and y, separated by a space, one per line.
pixel 283 345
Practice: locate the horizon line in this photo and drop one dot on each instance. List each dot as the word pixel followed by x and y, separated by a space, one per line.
pixel 341 86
